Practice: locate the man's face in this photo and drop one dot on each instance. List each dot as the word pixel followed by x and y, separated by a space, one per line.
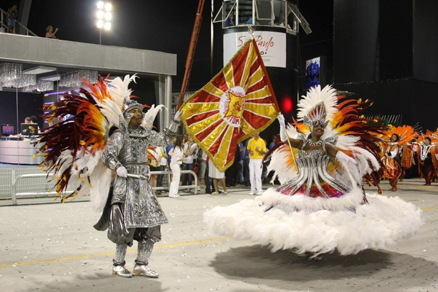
pixel 136 118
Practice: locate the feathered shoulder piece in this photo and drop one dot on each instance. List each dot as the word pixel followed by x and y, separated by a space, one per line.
pixel 73 146
pixel 404 133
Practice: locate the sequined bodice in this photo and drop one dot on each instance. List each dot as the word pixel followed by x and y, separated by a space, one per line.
pixel 313 177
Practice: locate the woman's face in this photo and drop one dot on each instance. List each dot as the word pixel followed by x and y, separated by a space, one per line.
pixel 394 138
pixel 426 142
pixel 318 130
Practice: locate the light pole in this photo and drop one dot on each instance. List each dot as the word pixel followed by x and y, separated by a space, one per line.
pixel 104 16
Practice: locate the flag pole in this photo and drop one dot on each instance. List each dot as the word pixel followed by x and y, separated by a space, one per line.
pixel 191 53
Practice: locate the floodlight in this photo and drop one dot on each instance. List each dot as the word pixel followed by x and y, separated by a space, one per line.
pixel 108 16
pixel 99 14
pixel 99 23
pixel 108 6
pixel 100 4
pixel 107 26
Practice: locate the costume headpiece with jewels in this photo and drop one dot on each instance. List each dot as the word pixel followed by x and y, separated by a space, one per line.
pixel 129 105
pixel 318 106
pixel 318 115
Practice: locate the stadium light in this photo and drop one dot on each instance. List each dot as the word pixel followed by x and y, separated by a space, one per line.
pixel 104 16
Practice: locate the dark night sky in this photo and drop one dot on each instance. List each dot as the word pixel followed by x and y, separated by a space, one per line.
pixel 164 25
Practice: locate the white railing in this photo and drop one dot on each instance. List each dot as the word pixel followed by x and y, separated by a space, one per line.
pixel 20 177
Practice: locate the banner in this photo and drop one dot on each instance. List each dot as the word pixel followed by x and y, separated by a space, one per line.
pixel 272 46
pixel 235 104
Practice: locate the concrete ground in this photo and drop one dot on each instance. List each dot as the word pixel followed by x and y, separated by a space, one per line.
pixel 53 247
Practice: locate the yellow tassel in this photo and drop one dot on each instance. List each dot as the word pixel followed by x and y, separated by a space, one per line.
pixel 83 179
pixel 359 101
pixel 90 185
pixel 82 142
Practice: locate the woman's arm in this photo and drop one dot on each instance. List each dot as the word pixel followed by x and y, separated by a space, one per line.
pixel 331 150
pixel 296 143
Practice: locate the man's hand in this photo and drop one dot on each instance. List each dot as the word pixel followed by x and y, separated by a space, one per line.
pixel 122 172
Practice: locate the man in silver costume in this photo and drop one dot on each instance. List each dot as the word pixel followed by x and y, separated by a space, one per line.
pixel 132 210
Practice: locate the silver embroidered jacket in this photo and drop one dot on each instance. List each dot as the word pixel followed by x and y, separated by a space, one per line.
pixel 130 150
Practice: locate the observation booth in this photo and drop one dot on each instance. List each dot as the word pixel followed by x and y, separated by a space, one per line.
pixel 274 24
pixel 37 71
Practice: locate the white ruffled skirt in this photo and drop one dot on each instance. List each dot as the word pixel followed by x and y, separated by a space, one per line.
pixel 376 225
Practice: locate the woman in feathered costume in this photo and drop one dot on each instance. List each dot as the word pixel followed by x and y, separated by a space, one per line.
pixel 105 133
pixel 396 162
pixel 320 205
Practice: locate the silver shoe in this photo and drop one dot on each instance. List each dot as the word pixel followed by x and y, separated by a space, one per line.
pixel 121 271
pixel 144 270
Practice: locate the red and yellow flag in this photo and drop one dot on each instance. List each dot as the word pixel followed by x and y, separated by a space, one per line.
pixel 235 104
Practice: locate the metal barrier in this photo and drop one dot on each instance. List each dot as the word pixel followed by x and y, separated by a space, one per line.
pixel 4 20
pixel 52 194
pixel 32 194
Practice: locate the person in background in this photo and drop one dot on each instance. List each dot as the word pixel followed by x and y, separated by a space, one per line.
pixel 28 120
pixel 232 172
pixel 426 155
pixel 256 148
pixel 154 163
pixel 190 153
pixel 202 166
pixel 163 166
pixel 216 175
pixel 168 148
pixel 267 177
pixel 243 164
pixel 12 18
pixel 175 164
pixel 50 33
pixel 230 20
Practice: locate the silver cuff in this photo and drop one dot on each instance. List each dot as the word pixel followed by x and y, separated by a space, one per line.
pixel 173 128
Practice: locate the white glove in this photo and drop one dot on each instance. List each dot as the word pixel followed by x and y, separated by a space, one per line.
pixel 122 172
pixel 342 156
pixel 177 118
pixel 283 135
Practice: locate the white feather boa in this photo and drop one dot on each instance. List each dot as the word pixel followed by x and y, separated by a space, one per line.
pixel 376 225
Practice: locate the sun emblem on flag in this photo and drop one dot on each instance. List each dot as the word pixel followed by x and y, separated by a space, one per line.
pixel 231 106
pixel 237 102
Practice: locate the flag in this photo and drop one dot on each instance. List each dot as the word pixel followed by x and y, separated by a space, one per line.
pixel 235 104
